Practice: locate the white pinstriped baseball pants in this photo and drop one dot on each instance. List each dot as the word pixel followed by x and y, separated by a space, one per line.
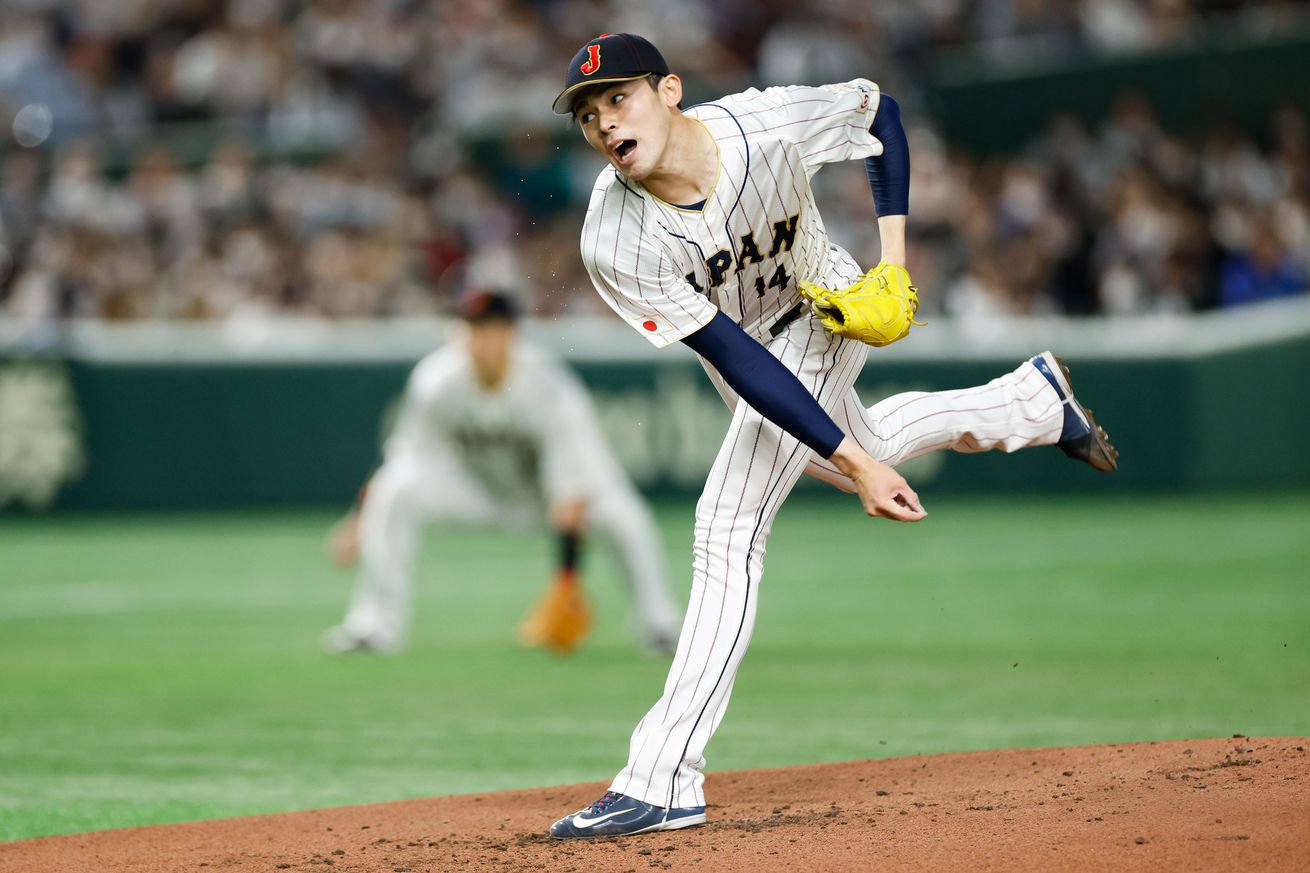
pixel 755 469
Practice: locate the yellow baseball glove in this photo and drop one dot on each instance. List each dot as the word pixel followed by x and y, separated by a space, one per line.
pixel 560 619
pixel 878 309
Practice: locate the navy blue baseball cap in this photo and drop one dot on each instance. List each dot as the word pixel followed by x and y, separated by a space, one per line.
pixel 609 58
pixel 478 305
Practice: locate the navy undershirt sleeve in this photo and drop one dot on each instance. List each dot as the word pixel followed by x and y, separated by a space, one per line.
pixel 765 383
pixel 889 172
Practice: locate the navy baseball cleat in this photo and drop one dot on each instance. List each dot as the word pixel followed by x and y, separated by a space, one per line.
pixel 617 815
pixel 1082 438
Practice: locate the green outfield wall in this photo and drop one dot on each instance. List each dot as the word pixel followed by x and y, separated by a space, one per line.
pixel 95 435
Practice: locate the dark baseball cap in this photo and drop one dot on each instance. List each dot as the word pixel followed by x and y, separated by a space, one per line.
pixel 477 305
pixel 609 58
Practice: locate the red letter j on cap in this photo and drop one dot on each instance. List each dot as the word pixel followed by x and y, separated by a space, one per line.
pixel 592 63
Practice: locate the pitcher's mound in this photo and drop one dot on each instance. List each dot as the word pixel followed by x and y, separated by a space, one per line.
pixel 1233 804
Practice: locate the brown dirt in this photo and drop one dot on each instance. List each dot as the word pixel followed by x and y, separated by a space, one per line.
pixel 1232 804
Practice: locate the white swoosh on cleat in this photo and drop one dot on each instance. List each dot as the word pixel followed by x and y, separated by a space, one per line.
pixel 580 822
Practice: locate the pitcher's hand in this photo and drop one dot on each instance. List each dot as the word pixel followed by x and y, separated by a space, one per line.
pixel 883 491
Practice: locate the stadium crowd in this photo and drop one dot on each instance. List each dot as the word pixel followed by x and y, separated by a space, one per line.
pixel 229 159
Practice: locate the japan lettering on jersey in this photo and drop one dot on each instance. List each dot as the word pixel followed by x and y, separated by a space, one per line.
pixel 666 269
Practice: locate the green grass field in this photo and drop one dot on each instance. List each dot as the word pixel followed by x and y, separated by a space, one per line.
pixel 165 668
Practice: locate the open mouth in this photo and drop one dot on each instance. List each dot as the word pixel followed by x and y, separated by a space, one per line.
pixel 624 149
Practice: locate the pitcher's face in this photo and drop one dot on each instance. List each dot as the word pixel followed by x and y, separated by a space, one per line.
pixel 630 123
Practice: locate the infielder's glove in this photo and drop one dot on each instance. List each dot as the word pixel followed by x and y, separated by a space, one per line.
pixel 560 619
pixel 878 309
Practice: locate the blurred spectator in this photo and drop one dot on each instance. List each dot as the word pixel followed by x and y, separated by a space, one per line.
pixel 1264 271
pixel 241 159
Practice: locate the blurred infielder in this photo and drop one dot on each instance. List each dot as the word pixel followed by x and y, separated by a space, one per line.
pixel 493 431
pixel 704 230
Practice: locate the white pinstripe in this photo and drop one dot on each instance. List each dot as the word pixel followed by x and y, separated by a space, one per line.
pixel 770 143
pixel 755 470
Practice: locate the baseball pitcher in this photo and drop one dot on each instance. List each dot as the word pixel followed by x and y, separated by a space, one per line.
pixel 703 230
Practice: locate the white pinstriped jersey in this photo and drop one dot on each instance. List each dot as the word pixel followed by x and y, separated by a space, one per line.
pixel 667 269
